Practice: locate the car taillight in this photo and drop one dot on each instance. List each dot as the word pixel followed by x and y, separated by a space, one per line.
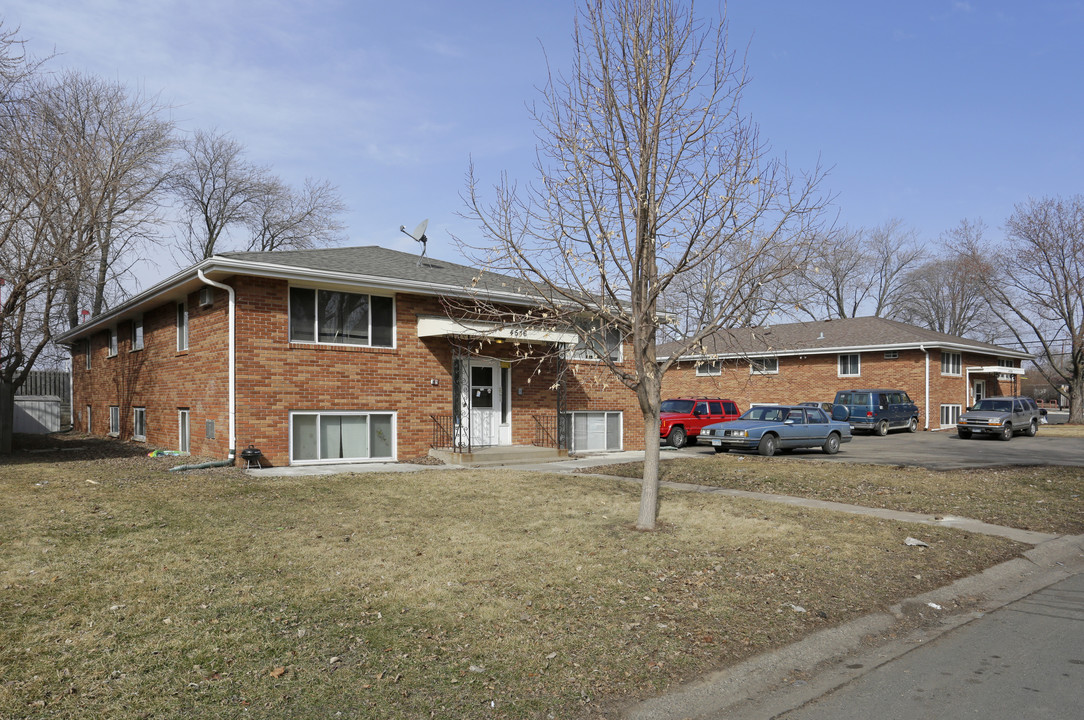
pixel 869 413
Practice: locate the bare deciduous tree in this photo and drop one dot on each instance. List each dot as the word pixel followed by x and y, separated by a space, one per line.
pixel 851 273
pixel 286 219
pixel 220 190
pixel 1034 284
pixel 124 143
pixel 944 294
pixel 217 187
pixel 650 182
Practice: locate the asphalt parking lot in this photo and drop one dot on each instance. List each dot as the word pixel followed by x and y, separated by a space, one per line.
pixel 943 450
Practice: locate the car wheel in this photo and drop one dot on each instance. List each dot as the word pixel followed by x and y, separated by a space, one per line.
pixel 1006 432
pixel 1033 428
pixel 913 425
pixel 768 445
pixel 963 433
pixel 831 444
pixel 676 438
pixel 720 449
pixel 882 428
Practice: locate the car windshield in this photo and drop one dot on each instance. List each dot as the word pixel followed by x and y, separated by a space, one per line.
pixel 993 405
pixel 677 406
pixel 764 414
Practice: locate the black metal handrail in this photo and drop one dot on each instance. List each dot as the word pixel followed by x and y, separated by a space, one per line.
pixel 449 434
pixel 549 430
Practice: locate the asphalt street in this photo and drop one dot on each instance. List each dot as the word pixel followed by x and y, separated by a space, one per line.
pixel 1023 661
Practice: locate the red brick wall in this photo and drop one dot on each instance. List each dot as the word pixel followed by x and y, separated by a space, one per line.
pixel 275 377
pixel 816 378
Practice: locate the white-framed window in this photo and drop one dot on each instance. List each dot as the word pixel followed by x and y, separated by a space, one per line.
pixel 87 347
pixel 850 365
pixel 596 430
pixel 334 436
pixel 139 423
pixel 764 366
pixel 949 415
pixel 182 326
pixel 112 342
pixel 341 318
pixel 114 420
pixel 137 333
pixel 950 363
pixel 709 368
pixel 892 355
pixel 88 420
pixel 597 342
pixel 183 431
pixel 1005 363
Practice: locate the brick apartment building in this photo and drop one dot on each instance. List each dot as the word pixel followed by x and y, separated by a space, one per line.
pixel 340 355
pixel 810 361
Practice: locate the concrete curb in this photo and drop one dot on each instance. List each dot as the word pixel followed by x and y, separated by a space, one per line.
pixel 785 679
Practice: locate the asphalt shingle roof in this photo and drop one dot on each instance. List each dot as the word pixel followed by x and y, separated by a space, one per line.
pixel 376 261
pixel 790 338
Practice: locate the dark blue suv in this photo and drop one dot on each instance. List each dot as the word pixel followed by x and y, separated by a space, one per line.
pixel 879 411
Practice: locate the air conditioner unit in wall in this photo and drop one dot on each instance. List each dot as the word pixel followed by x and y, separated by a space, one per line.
pixel 206 297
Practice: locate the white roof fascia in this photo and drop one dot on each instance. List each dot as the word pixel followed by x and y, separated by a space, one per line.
pixel 962 347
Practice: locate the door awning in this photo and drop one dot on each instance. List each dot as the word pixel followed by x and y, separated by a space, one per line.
pixel 434 326
pixel 996 369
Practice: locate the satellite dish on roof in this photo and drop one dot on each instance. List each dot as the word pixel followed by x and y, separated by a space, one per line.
pixel 418 234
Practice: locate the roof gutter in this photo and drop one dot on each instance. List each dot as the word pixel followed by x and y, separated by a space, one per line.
pixel 232 360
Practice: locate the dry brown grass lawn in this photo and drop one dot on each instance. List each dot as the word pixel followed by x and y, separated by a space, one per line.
pixel 130 592
pixel 1044 499
pixel 1071 431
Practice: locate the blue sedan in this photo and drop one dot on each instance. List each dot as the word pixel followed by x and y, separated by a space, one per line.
pixel 769 428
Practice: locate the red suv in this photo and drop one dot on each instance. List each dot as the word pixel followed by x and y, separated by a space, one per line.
pixel 682 418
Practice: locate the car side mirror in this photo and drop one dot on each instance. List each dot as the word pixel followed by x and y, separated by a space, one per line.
pixel 696 413
pixel 967 408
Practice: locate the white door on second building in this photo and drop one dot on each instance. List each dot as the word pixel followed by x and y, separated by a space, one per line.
pixel 978 390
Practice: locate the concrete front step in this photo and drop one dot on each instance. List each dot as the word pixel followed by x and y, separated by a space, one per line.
pixel 500 455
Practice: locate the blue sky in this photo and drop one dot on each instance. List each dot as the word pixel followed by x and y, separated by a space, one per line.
pixel 929 111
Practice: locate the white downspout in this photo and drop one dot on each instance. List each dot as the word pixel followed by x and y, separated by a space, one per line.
pixel 232 362
pixel 926 403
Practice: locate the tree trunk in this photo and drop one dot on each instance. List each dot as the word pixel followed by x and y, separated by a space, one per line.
pixel 1076 400
pixel 649 490
pixel 7 417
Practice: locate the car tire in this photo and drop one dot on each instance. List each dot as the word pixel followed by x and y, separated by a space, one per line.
pixel 913 425
pixel 1033 428
pixel 768 445
pixel 1006 432
pixel 718 449
pixel 831 444
pixel 963 434
pixel 882 428
pixel 676 438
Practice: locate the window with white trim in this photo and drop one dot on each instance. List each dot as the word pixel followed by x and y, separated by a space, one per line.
pixel 139 423
pixel 850 365
pixel 597 342
pixel 949 415
pixel 88 420
pixel 950 363
pixel 137 333
pixel 593 431
pixel 764 366
pixel 892 355
pixel 1005 363
pixel 341 436
pixel 112 342
pixel 183 434
pixel 114 420
pixel 182 326
pixel 87 348
pixel 341 318
pixel 709 368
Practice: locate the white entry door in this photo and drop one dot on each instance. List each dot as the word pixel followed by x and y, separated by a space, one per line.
pixel 485 402
pixel 978 390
